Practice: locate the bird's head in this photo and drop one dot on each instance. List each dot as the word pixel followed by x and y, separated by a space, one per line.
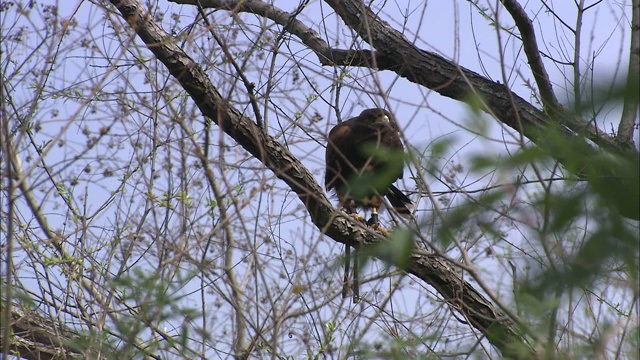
pixel 377 116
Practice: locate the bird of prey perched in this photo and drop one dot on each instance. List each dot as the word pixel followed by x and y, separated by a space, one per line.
pixel 362 173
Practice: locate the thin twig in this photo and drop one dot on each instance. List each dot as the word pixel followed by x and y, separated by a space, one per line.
pixel 629 116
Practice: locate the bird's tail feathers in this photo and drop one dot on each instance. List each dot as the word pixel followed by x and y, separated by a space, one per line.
pixel 399 201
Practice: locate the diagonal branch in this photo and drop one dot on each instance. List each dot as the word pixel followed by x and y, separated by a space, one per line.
pixel 498 328
pixel 530 45
pixel 326 55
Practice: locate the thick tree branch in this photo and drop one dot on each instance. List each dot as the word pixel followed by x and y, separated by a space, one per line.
pixel 37 337
pixel 481 314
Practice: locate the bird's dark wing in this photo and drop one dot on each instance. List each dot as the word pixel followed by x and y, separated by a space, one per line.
pixel 344 156
pixel 336 159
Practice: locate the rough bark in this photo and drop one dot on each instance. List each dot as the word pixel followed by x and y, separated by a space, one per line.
pixel 392 52
pixel 37 337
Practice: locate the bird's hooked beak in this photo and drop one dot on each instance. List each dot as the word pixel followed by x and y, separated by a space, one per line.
pixel 384 119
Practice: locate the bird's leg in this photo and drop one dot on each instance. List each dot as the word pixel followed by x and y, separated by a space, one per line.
pixel 375 224
pixel 374 217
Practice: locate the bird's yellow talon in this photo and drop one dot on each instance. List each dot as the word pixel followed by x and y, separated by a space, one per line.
pixel 356 217
pixel 380 229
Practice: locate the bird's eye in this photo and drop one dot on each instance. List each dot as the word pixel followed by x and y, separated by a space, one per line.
pixel 385 118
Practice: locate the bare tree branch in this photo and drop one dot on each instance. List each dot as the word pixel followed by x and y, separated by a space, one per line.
pixel 236 291
pixel 498 328
pixel 630 108
pixel 442 76
pixel 309 37
pixel 530 45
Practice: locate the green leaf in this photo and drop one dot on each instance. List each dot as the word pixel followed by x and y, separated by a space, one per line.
pixel 397 250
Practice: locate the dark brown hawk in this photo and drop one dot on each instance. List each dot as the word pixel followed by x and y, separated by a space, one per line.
pixel 352 154
pixel 355 157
